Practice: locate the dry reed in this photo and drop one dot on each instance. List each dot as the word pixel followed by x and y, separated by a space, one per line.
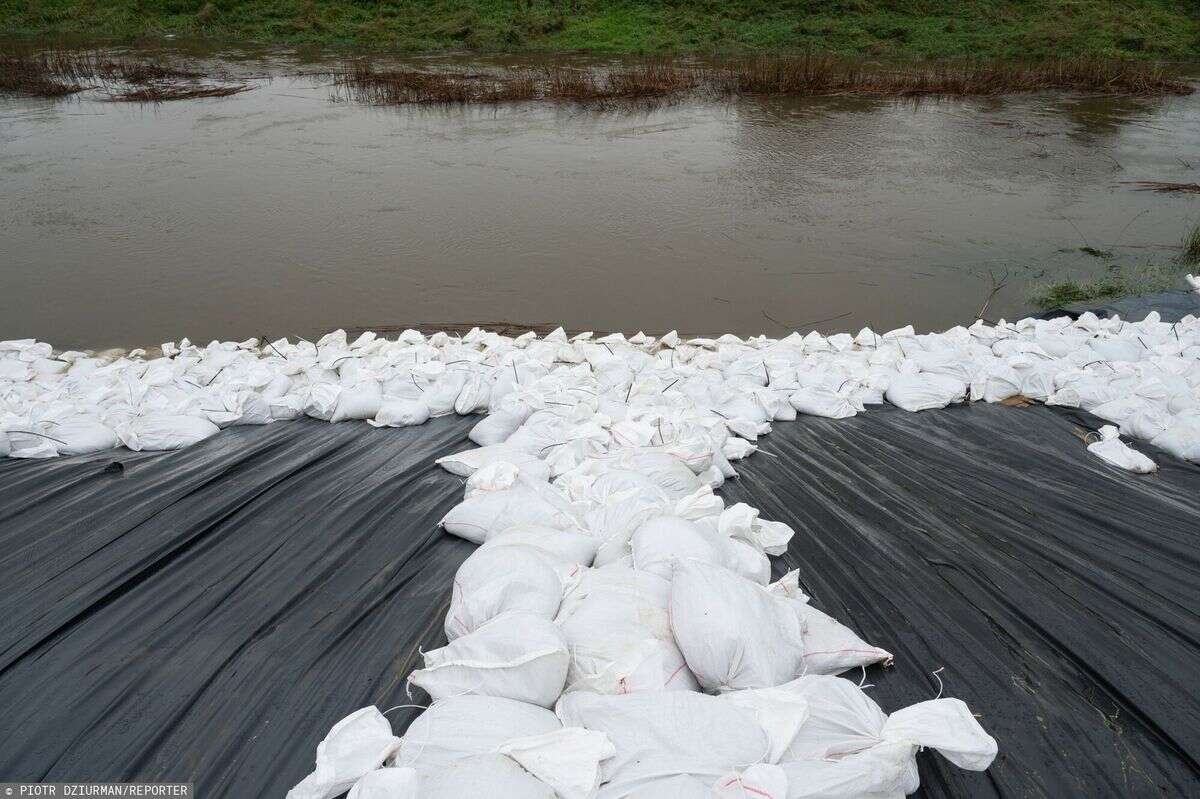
pixel 808 75
pixel 1163 187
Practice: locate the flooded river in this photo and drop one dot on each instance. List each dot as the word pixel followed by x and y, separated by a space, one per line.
pixel 281 212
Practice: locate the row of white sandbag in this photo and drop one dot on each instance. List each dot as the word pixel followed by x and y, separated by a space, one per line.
pixel 1088 363
pixel 814 737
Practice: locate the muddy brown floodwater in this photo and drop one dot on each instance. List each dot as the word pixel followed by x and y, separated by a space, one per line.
pixel 280 212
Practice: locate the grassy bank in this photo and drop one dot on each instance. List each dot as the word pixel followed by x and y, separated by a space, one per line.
pixel 904 28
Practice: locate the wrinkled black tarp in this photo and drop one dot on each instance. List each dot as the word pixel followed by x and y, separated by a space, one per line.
pixel 1060 594
pixel 207 615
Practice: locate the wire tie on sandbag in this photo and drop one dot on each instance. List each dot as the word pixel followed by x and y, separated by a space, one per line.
pixel 272 346
pixel 941 687
pixel 39 435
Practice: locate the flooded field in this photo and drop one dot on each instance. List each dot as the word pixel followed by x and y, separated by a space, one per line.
pixel 281 211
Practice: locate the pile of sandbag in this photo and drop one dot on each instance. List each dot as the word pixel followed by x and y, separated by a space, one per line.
pixel 617 634
pixel 704 401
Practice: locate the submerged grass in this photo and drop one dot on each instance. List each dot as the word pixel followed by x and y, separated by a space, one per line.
pixel 803 75
pixel 161 93
pixel 58 73
pixel 1117 281
pixel 30 77
pixel 1163 187
pixel 364 82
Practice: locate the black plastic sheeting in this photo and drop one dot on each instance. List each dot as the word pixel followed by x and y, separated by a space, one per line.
pixel 207 615
pixel 1060 594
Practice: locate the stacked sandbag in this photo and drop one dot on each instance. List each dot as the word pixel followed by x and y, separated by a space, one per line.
pixel 615 587
pixel 600 403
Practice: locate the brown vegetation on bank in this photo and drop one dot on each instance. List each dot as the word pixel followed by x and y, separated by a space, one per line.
pixel 806 76
pixel 58 73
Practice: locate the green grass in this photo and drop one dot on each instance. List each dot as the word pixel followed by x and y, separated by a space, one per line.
pixel 1190 254
pixel 1117 281
pixel 902 28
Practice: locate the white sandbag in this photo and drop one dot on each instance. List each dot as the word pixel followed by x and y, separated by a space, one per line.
pixel 442 395
pixel 732 633
pixel 568 760
pixel 81 435
pixel 516 656
pixel 661 542
pixel 467 462
pixel 1112 450
pixel 497 476
pixel 387 783
pixel 288 406
pixel 487 776
pixel 843 721
pixel 497 426
pixel 28 445
pixel 742 522
pixel 162 431
pixel 564 546
pixel 498 580
pixel 617 625
pixel 321 400
pixel 465 726
pixel 659 734
pixel 250 407
pixel 484 515
pixel 701 504
pixel 737 448
pixel 821 401
pixel 360 401
pixel 12 370
pixel 613 520
pixel 664 470
pixel 887 771
pixel 999 383
pixel 356 745
pixel 830 647
pixel 398 412
pixel 1145 424
pixel 474 395
pixel 946 725
pixel 781 714
pixel 924 391
pixel 1181 439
